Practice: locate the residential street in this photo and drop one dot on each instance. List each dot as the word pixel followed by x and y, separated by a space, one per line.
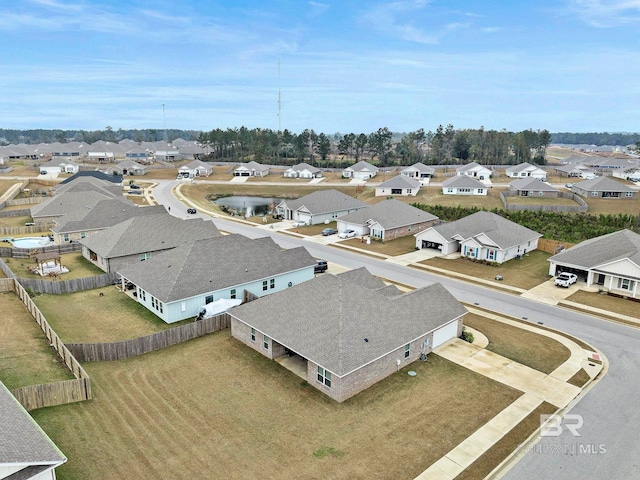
pixel 608 444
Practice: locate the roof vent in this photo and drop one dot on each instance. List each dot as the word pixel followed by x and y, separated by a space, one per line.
pixel 366 340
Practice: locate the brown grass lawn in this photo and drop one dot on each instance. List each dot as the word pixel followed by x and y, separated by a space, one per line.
pixel 529 271
pixel 607 302
pixel 536 351
pixel 212 408
pixel 6 184
pixel 25 355
pixel 78 266
pixel 14 222
pixel 399 246
pixel 20 170
pixel 613 205
pixel 434 196
pixel 517 200
pixel 88 317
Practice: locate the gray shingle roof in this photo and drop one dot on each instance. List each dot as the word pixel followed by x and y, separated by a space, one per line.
pixel 103 214
pixel 21 439
pixel 305 166
pixel 529 183
pixel 463 181
pixel 400 181
pixel 389 214
pixel 421 167
pixel 211 264
pixel 504 233
pixel 148 233
pixel 339 312
pixel 603 184
pixel 362 165
pixel 71 203
pixel 601 250
pixel 325 201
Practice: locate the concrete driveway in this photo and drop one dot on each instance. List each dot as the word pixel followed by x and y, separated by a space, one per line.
pixel 548 293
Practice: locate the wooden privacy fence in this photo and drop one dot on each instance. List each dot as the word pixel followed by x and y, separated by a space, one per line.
pixel 36 229
pixel 108 351
pixel 581 207
pixel 24 252
pixel 57 393
pixel 553 246
pixel 60 287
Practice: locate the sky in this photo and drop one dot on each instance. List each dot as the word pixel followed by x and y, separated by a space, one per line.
pixel 331 66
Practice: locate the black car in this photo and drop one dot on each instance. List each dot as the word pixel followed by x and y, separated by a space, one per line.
pixel 329 231
pixel 134 186
pixel 320 266
pixel 191 211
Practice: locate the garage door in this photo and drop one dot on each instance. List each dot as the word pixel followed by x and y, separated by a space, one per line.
pixel 428 244
pixel 444 333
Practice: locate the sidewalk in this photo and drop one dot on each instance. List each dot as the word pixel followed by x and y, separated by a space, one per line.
pixel 537 387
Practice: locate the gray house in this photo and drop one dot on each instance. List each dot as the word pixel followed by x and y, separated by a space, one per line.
pixel 319 206
pixel 26 452
pixel 141 238
pixel 481 235
pixel 367 331
pixel 127 167
pixel 83 221
pixel 463 185
pixel 387 220
pixel 420 172
pixel 303 170
pixel 612 262
pixel 603 187
pixel 532 187
pixel 400 185
pixel 361 171
pixel 174 284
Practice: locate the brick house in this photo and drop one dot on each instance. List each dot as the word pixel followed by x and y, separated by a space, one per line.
pixel 367 331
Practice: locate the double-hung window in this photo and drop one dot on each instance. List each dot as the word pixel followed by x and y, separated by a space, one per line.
pixel 324 376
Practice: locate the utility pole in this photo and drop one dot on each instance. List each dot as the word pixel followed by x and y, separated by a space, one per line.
pixel 164 120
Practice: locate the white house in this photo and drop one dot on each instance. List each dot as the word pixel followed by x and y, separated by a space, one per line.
pixel 482 235
pixel 360 171
pixel 400 185
pixel 421 172
pixel 474 170
pixel 319 207
pixel 612 262
pixel 251 169
pixel 463 185
pixel 303 170
pixel 26 452
pixel 524 170
pixel 196 168
pixel 174 284
pixel 59 165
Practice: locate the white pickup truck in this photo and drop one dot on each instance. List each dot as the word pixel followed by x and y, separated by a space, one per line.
pixel 565 279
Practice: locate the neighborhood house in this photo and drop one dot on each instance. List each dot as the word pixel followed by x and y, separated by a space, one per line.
pixel 363 332
pixel 321 206
pixel 176 283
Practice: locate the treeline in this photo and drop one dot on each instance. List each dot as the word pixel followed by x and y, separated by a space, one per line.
pixel 561 226
pixel 599 139
pixel 36 136
pixel 445 146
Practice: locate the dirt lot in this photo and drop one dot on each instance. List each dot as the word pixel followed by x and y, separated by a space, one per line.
pixel 212 405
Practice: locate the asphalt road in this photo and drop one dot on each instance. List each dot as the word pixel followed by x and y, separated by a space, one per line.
pixel 607 446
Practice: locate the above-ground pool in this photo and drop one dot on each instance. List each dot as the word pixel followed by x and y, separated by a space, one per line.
pixel 30 242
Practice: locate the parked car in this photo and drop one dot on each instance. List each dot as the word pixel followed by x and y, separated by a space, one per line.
pixel 568 185
pixel 347 233
pixel 329 231
pixel 320 266
pixel 300 223
pixel 565 279
pixel 191 211
pixel 134 186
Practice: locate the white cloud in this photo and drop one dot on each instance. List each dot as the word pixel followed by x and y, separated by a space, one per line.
pixel 607 13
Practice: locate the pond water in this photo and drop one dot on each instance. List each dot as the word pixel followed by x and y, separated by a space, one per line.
pixel 248 206
pixel 30 242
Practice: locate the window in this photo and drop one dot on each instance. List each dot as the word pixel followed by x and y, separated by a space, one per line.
pixel 407 350
pixel 481 190
pixel 183 306
pixel 66 237
pixel 253 334
pixel 628 194
pixel 264 285
pixel 145 256
pixel 491 255
pixel 272 283
pixel 83 234
pixel 208 299
pixel 233 293
pixel 396 191
pixel 265 342
pixel 625 284
pixel 449 190
pixel 324 376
